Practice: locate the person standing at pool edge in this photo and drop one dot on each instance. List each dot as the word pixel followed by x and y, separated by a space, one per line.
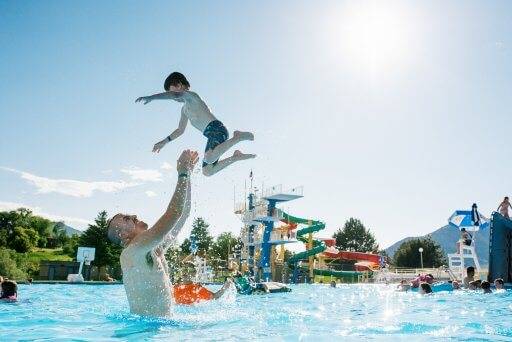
pixel 197 112
pixel 145 270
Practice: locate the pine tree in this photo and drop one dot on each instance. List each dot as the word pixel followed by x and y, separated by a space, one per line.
pixel 107 253
pixel 202 237
pixel 355 237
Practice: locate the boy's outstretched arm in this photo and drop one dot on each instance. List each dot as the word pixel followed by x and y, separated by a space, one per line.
pixel 168 95
pixel 174 135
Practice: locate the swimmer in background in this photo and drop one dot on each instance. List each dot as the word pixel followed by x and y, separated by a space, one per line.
pixel 425 288
pixel 499 283
pixel 404 286
pixel 9 291
pixel 486 286
pixel 470 276
pixel 197 112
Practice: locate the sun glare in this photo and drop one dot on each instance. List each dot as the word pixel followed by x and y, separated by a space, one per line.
pixel 371 35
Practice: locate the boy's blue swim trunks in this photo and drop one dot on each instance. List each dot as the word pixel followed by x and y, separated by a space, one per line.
pixel 216 133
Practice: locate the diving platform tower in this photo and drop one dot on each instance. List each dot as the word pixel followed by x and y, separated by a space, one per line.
pixel 259 235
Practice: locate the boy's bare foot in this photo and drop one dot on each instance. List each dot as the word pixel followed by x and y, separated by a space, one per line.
pixel 239 135
pixel 238 155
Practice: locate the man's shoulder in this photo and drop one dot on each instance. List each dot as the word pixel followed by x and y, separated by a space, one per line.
pixel 133 250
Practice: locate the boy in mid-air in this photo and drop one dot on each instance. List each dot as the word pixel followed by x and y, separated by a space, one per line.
pixel 197 112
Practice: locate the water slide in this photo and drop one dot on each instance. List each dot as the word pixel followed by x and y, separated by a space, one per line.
pixel 312 226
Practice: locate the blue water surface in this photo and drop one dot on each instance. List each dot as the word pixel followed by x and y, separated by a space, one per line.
pixel 309 313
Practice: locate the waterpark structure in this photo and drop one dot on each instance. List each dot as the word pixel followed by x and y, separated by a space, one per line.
pixel 267 229
pixel 500 248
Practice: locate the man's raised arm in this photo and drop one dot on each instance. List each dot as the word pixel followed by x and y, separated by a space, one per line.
pixel 166 95
pixel 177 207
pixel 173 233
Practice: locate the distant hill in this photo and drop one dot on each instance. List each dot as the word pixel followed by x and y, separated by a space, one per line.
pixel 447 238
pixel 70 231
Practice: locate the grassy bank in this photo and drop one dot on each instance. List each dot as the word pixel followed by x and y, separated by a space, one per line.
pixel 38 254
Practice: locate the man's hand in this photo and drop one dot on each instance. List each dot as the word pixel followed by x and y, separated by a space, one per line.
pixel 144 99
pixel 159 145
pixel 187 161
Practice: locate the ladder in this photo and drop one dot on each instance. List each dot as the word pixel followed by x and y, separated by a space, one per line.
pixel 457 261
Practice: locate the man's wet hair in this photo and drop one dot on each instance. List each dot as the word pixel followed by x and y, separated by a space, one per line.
pixel 112 231
pixel 499 281
pixel 174 79
pixel 470 269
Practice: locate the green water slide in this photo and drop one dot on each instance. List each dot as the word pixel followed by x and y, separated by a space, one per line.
pixel 346 276
pixel 312 227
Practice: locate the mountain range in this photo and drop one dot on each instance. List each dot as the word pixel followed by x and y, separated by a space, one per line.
pixel 70 231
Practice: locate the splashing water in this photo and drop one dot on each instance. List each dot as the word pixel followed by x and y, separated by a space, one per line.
pixel 310 312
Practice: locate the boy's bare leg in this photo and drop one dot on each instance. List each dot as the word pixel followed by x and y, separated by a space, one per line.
pixel 238 136
pixel 211 169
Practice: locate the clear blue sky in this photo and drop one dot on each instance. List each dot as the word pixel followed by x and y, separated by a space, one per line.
pixel 396 112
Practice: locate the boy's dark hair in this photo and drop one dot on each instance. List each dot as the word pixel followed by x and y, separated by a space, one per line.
pixel 470 269
pixel 9 288
pixel 499 281
pixel 426 287
pixel 174 79
pixel 485 285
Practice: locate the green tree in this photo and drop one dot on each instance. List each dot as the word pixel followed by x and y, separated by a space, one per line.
pixel 107 253
pixel 43 227
pixel 355 237
pixel 9 266
pixel 59 234
pixel 408 255
pixel 202 237
pixel 23 218
pixel 222 246
pixel 24 239
pixel 71 246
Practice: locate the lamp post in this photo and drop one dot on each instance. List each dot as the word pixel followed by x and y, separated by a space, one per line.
pixel 421 255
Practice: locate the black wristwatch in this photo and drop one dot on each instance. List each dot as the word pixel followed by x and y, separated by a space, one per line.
pixel 184 175
pixel 168 138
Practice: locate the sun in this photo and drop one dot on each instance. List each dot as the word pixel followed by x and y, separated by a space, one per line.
pixel 371 35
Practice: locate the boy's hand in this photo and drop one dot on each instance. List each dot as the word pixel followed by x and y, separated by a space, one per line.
pixel 144 99
pixel 187 161
pixel 159 145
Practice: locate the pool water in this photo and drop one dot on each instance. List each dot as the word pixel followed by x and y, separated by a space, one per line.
pixel 309 313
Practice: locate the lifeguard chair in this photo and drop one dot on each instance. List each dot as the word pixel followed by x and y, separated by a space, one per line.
pixel 472 221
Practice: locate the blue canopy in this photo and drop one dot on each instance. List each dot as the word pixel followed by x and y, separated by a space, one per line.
pixel 471 220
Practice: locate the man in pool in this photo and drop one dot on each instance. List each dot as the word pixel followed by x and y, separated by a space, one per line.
pixel 197 112
pixel 145 270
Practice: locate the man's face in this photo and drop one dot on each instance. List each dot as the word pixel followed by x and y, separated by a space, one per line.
pixel 128 226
